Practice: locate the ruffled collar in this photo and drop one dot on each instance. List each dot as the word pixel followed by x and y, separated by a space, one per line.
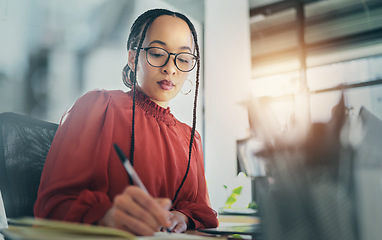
pixel 152 109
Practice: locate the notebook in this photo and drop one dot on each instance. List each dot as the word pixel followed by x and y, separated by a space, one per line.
pixel 243 229
pixel 236 224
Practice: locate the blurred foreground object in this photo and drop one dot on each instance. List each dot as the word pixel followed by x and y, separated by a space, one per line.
pixel 319 186
pixel 368 175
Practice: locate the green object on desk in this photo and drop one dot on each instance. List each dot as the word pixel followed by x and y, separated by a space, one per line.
pixel 252 205
pixel 233 197
pixel 236 236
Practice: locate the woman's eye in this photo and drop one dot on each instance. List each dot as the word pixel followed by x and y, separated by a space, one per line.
pixel 184 59
pixel 157 55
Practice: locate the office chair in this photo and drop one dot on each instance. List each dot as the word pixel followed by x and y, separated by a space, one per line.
pixel 24 144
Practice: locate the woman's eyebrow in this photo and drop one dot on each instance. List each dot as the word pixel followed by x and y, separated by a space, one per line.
pixel 186 48
pixel 164 44
pixel 159 42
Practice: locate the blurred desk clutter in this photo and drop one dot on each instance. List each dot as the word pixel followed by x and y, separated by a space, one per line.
pixel 325 184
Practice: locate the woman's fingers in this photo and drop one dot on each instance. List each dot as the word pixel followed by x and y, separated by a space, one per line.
pixel 138 212
pixel 179 222
pixel 117 218
pixel 131 208
pixel 164 202
pixel 160 214
pixel 181 227
pixel 133 225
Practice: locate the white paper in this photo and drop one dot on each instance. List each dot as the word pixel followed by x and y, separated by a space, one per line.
pixel 167 236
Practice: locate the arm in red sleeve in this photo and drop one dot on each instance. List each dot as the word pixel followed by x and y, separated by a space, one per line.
pixel 74 180
pixel 199 211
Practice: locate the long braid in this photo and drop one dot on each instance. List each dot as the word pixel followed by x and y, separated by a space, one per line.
pixel 129 76
pixel 193 111
pixel 134 81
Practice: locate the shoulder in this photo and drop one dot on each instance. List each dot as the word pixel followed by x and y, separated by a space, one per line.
pixel 187 130
pixel 95 103
pixel 197 142
pixel 99 98
pixel 102 94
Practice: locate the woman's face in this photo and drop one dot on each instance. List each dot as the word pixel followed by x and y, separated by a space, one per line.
pixel 161 84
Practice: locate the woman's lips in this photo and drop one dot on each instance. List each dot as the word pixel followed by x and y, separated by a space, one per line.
pixel 166 85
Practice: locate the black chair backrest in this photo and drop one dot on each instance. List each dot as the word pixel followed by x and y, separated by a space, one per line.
pixel 24 144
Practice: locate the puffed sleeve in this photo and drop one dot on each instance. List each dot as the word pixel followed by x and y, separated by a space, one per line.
pixel 74 180
pixel 199 209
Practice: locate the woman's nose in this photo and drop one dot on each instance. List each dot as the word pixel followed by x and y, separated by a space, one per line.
pixel 169 67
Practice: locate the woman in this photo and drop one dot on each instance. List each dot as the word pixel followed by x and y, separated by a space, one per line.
pixel 84 181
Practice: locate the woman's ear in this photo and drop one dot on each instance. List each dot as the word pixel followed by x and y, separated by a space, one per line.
pixel 131 59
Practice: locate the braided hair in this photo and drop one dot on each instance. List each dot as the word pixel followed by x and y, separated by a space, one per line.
pixel 136 37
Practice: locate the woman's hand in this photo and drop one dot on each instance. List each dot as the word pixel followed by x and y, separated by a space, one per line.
pixel 137 212
pixel 179 222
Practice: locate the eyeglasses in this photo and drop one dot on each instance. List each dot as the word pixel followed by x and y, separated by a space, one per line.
pixel 158 57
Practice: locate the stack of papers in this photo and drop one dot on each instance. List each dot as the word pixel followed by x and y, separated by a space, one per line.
pixel 30 228
pixel 43 229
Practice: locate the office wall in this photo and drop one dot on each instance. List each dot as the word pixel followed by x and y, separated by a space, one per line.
pixel 227 72
pixel 52 53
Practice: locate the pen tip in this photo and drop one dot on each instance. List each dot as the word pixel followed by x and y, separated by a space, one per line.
pixel 120 153
pixel 116 147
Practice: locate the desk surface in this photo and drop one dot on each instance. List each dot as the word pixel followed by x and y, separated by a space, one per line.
pixel 247 227
pixel 224 221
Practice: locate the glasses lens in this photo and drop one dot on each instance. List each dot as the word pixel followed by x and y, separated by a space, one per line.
pixel 185 61
pixel 156 57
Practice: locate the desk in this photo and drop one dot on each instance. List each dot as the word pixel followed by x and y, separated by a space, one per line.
pixel 68 228
pixel 246 227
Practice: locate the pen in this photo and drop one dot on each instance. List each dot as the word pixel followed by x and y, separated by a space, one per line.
pixel 130 170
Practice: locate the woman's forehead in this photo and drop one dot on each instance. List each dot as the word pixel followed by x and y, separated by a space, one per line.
pixel 174 32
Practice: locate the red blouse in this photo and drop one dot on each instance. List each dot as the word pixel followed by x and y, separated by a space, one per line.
pixel 83 173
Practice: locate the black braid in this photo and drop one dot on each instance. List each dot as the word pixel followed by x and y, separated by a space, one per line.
pixel 194 110
pixel 129 76
pixel 134 80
